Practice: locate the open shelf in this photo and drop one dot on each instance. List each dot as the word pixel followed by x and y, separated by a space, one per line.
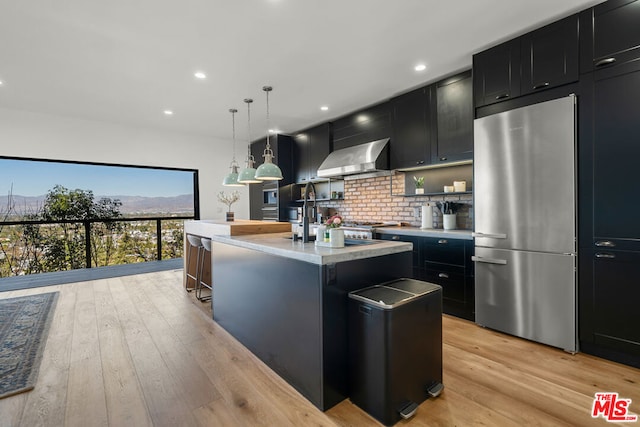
pixel 452 193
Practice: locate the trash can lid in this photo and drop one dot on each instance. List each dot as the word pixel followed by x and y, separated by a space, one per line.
pixel 382 296
pixel 391 294
pixel 414 286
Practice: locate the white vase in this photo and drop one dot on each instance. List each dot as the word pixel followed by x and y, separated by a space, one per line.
pixel 419 190
pixel 449 221
pixel 336 238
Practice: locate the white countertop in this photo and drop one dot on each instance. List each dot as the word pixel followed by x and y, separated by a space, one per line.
pixel 278 244
pixel 427 232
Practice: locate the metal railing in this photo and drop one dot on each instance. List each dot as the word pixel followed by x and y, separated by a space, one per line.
pixel 88 223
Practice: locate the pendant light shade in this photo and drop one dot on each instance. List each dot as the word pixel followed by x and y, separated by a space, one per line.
pixel 268 171
pixel 248 174
pixel 231 179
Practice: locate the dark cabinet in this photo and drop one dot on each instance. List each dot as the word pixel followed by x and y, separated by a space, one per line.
pixel 270 200
pixel 256 190
pixel 411 123
pixel 609 256
pixel 613 311
pixel 550 56
pixel 363 126
pixel 616 128
pixel 445 262
pixel 496 73
pixel 611 34
pixel 542 59
pixel 454 110
pixel 417 251
pixel 312 146
pixel 433 124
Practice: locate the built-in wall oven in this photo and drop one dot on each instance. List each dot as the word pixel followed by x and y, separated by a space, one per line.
pixel 270 201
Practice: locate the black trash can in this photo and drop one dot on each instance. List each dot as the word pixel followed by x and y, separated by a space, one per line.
pixel 395 347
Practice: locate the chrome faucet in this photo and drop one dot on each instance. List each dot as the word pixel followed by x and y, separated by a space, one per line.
pixel 305 214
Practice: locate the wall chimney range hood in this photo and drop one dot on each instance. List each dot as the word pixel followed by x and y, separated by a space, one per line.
pixel 370 157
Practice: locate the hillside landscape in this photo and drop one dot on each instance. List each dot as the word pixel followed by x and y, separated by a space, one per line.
pixel 131 205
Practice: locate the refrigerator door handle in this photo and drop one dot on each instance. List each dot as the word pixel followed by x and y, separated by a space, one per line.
pixel 489 235
pixel 489 260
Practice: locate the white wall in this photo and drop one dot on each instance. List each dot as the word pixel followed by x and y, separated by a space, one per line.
pixel 34 135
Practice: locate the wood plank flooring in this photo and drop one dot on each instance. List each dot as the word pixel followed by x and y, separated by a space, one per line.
pixel 140 351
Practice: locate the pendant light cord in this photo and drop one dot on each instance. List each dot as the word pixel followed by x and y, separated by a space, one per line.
pixel 249 156
pixel 268 145
pixel 268 150
pixel 233 112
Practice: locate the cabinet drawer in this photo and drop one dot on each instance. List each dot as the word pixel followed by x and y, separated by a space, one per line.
pixel 451 279
pixel 443 250
pixel 410 239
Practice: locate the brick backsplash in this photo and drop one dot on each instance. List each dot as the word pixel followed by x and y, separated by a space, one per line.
pixel 370 199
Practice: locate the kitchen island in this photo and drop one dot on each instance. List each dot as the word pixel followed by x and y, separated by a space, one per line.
pixel 286 301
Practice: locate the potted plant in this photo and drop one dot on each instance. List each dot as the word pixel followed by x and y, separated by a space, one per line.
pixel 419 183
pixel 229 199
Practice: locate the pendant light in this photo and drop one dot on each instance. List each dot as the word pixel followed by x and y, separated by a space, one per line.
pixel 268 171
pixel 248 174
pixel 231 180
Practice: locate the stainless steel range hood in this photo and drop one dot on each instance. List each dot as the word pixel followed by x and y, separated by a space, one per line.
pixel 370 157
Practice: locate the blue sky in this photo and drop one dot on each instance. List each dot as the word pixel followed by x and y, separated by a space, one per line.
pixel 35 178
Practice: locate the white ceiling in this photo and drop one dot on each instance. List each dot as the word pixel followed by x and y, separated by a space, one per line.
pixel 125 61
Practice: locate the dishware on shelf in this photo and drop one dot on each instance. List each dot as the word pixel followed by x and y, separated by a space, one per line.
pixel 460 186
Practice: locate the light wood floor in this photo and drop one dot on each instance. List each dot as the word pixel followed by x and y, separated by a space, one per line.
pixel 138 351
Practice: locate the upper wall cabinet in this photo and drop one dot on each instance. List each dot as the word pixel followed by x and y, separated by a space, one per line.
pixel 454 110
pixel 610 34
pixel 550 56
pixel 433 124
pixel 497 73
pixel 312 146
pixel 366 125
pixel 412 129
pixel 542 59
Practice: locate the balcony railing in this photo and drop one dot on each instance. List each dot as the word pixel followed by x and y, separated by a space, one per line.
pixel 36 246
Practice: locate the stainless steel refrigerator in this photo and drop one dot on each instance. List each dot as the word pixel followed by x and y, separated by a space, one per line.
pixel 525 222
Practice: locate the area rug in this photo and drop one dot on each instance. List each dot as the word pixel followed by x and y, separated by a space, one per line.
pixel 24 326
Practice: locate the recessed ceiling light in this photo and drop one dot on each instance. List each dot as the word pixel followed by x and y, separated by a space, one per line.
pixel 274 131
pixel 168 113
pixel 200 75
pixel 324 108
pixel 362 118
pixel 420 67
pixel 1 83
